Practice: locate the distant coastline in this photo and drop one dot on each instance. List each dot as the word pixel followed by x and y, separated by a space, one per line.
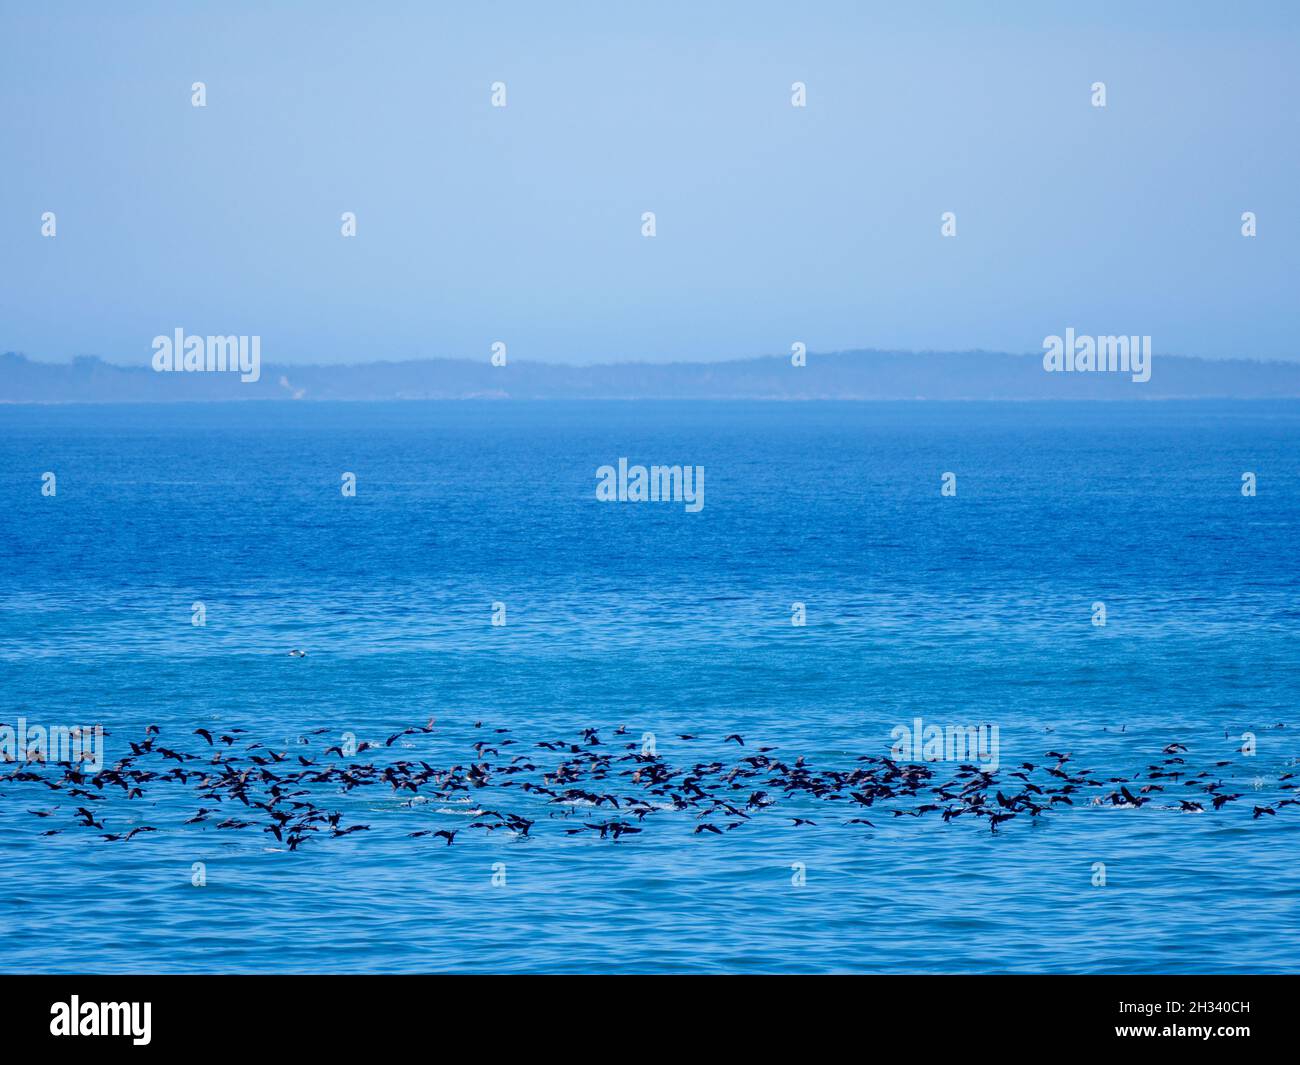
pixel 848 375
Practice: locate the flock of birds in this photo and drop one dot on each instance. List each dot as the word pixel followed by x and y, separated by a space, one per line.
pixel 582 784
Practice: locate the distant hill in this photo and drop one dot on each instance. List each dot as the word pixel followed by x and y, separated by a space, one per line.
pixel 853 375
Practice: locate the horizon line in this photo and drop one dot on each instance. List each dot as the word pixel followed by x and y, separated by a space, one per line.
pixel 514 361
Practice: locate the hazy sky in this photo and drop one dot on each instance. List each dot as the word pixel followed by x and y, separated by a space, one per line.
pixel 523 224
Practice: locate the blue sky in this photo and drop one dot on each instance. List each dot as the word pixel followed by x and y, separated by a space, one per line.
pixel 775 224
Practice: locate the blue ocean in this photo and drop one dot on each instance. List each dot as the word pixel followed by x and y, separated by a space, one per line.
pixel 475 616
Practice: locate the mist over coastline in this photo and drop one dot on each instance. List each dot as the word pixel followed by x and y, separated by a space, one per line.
pixel 848 375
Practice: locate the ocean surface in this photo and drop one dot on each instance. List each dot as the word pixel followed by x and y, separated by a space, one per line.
pixel 959 610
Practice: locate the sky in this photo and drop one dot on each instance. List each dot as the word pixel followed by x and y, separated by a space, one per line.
pixel 523 224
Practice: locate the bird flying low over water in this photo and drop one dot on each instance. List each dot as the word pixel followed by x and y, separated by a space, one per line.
pixel 577 787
